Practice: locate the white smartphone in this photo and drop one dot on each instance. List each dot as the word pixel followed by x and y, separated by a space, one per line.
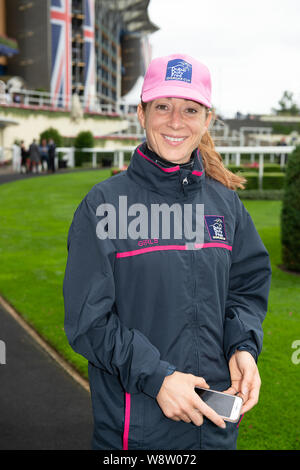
pixel 227 406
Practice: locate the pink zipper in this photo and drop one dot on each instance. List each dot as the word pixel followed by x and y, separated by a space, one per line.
pixel 127 420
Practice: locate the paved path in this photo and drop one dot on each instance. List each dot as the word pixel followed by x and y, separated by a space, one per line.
pixel 41 406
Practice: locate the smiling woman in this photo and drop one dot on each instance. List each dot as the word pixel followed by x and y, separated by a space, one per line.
pixel 174 127
pixel 177 120
pixel 157 321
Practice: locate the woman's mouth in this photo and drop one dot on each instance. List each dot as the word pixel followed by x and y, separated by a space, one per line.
pixel 174 140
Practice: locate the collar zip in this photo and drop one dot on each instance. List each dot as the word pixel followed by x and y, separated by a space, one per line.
pixel 185 182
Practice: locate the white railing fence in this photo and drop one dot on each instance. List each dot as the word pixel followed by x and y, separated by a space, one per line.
pixel 236 152
pixel 229 154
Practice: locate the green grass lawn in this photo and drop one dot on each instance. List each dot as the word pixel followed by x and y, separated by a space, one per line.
pixel 35 216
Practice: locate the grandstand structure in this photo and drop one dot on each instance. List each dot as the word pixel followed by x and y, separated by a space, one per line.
pixel 94 49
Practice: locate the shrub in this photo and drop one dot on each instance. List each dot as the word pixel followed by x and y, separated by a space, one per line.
pixel 272 181
pixel 84 139
pixel 272 168
pixel 254 168
pixel 265 195
pixel 236 169
pixel 54 134
pixel 252 180
pixel 290 214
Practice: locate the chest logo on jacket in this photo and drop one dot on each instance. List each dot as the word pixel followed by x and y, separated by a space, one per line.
pixel 216 227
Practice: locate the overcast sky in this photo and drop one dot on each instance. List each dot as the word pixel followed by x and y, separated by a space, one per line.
pixel 252 48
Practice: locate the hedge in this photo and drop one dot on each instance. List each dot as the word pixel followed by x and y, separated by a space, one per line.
pixel 268 168
pixel 270 180
pixel 84 139
pixel 265 195
pixel 290 215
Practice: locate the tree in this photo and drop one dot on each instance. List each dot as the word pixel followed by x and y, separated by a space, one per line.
pixel 52 133
pixel 290 214
pixel 287 105
pixel 84 139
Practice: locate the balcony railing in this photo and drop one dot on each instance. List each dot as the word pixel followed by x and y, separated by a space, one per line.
pixel 55 102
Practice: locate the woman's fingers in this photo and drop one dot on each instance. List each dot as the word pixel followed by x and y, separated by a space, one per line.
pixel 253 395
pixel 179 401
pixel 210 414
pixel 186 418
pixel 197 417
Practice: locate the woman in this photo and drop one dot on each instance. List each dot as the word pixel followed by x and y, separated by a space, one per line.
pixel 156 311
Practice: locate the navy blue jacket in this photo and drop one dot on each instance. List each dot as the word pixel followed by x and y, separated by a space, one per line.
pixel 135 307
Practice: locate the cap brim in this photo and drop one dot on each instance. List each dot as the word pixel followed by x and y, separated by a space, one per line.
pixel 174 92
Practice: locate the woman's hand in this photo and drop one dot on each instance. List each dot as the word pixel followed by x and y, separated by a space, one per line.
pixel 179 401
pixel 245 379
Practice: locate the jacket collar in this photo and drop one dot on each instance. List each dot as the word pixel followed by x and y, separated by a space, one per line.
pixel 174 180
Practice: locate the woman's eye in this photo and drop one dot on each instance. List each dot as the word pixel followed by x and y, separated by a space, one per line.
pixel 191 110
pixel 162 107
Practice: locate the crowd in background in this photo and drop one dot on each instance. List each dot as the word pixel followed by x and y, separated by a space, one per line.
pixel 38 158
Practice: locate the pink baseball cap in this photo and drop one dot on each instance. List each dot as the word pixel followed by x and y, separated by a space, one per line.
pixel 177 76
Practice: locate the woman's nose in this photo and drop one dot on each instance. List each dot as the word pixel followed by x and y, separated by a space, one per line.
pixel 175 120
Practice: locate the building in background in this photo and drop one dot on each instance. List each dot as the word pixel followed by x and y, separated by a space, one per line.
pixel 8 46
pixel 94 48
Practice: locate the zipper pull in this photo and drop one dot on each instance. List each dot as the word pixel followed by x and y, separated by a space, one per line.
pixel 184 182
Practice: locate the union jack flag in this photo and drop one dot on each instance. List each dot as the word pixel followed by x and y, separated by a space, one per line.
pixel 89 53
pixel 61 70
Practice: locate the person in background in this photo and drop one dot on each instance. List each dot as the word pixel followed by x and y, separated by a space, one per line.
pixel 25 160
pixel 34 155
pixel 51 155
pixel 44 155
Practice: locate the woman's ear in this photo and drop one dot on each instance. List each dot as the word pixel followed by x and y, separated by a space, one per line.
pixel 207 123
pixel 208 120
pixel 141 115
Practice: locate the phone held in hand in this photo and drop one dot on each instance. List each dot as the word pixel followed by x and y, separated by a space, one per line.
pixel 227 406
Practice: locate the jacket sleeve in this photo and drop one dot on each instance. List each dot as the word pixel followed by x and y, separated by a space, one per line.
pixel 92 325
pixel 249 284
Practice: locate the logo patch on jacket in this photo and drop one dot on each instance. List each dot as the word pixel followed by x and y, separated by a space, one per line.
pixel 216 227
pixel 178 69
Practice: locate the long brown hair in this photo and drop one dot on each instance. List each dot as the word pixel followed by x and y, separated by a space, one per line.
pixel 213 162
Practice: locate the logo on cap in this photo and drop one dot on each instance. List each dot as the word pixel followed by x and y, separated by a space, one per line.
pixel 178 69
pixel 216 227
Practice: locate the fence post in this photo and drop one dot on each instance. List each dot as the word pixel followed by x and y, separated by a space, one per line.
pixel 72 157
pixel 94 160
pixel 121 159
pixel 261 171
pixel 115 158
